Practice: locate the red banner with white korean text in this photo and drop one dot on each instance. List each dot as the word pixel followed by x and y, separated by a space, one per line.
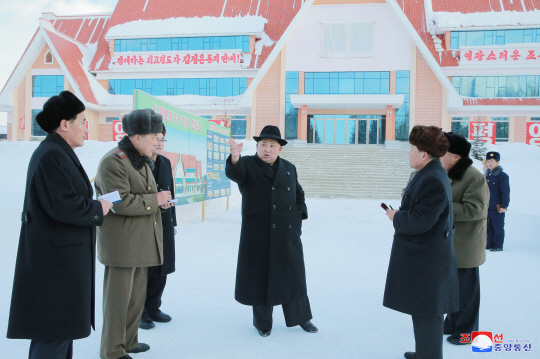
pixel 486 130
pixel 533 133
pixel 118 131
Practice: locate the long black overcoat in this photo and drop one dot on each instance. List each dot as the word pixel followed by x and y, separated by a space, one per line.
pixel 53 289
pixel 270 267
pixel 165 182
pixel 422 275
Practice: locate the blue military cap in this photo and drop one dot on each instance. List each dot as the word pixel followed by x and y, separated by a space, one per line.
pixel 493 156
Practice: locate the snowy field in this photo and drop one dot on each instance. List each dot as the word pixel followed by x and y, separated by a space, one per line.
pixel 346 246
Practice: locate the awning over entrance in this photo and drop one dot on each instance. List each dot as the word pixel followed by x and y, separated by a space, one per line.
pixel 347 101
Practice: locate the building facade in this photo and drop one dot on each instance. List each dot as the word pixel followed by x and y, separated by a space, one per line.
pixel 327 72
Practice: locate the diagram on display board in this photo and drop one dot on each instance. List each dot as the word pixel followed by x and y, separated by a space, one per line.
pixel 197 149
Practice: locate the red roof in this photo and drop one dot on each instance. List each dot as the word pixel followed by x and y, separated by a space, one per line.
pixel 469 7
pixel 86 29
pixel 279 14
pixel 415 11
pixel 501 101
pixel 189 161
pixel 71 56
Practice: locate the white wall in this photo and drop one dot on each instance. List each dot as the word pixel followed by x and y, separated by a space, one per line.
pixel 392 45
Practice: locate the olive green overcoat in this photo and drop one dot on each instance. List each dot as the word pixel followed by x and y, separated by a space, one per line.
pixel 131 234
pixel 470 196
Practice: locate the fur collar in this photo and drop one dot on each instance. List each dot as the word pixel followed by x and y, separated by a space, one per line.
pixel 457 172
pixel 496 171
pixel 134 156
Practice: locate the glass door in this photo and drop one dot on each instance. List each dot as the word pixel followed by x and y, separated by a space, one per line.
pixel 346 129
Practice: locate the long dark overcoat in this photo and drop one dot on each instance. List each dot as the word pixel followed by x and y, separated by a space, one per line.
pixel 53 289
pixel 165 182
pixel 499 187
pixel 422 275
pixel 270 267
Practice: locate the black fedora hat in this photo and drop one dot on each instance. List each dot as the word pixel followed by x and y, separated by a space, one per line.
pixel 271 133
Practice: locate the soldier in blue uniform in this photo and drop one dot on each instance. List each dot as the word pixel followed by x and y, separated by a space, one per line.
pixel 499 190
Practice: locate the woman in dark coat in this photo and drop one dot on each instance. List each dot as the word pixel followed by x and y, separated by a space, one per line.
pixel 53 290
pixel 157 276
pixel 422 276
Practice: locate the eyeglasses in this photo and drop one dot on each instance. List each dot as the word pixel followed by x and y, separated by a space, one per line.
pixel 161 141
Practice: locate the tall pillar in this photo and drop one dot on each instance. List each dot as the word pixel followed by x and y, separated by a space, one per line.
pixel 302 123
pixel 390 123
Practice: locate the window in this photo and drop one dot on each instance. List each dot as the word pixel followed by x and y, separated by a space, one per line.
pixel 222 87
pixel 502 128
pixel 183 44
pixel 402 114
pixel 347 83
pixel 47 86
pixel 497 86
pixel 347 39
pixel 36 130
pixel 48 58
pixel 291 113
pixel 111 119
pixel 488 38
pixel 460 125
pixel 238 126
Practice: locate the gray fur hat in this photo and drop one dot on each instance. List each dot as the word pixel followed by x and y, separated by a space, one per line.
pixel 142 122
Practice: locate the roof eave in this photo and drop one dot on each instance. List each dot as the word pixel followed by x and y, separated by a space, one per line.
pixel 454 100
pixel 246 100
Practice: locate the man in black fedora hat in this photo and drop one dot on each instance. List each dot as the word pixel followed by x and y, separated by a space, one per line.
pixel 270 267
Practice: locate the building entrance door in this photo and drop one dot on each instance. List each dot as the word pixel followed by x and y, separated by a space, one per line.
pixel 346 129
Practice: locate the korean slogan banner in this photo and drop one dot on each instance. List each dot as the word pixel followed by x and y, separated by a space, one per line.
pixel 197 149
pixel 487 131
pixel 533 133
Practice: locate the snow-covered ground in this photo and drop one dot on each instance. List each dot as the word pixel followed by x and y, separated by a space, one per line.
pixel 346 245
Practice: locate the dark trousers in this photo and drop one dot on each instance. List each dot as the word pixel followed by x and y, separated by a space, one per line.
pixel 296 312
pixel 466 319
pixel 428 335
pixel 495 229
pixel 154 291
pixel 51 349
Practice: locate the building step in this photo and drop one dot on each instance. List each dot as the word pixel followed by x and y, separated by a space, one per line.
pixel 352 172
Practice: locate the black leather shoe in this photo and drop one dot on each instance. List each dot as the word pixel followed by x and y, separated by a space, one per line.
pixel 309 327
pixel 126 357
pixel 160 317
pixel 140 349
pixel 265 333
pixel 455 340
pixel 410 355
pixel 495 249
pixel 489 247
pixel 146 322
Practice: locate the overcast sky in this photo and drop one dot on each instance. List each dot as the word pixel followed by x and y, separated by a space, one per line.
pixel 19 19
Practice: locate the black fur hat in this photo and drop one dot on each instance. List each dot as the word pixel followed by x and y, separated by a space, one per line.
pixel 430 139
pixel 458 144
pixel 142 122
pixel 65 106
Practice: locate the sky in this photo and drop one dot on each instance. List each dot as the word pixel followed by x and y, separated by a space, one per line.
pixel 20 19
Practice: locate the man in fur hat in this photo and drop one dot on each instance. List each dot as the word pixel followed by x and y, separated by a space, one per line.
pixel 470 197
pixel 53 290
pixel 422 276
pixel 270 267
pixel 130 239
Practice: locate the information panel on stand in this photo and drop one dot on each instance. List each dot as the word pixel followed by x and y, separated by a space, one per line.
pixel 197 149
